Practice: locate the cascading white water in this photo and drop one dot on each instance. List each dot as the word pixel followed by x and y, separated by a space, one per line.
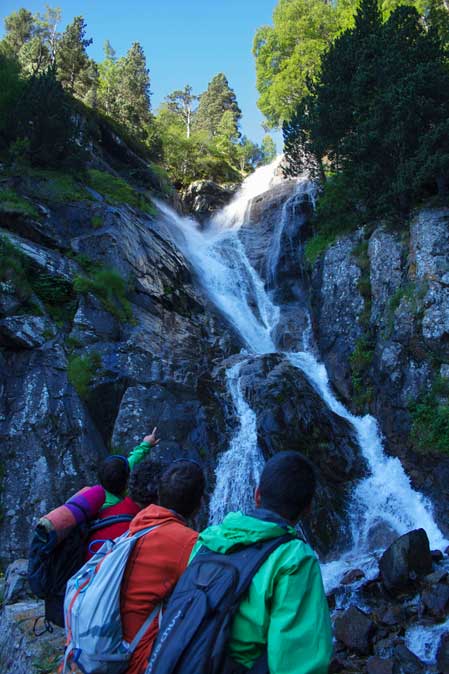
pixel 385 497
pixel 245 467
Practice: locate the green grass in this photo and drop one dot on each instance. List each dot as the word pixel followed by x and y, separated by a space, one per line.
pixel 117 191
pixel 81 370
pixel 430 425
pixel 23 280
pixel 11 202
pixel 317 245
pixel 57 187
pixel 360 361
pixel 110 288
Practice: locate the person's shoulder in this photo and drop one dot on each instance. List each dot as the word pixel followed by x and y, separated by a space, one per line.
pixel 296 553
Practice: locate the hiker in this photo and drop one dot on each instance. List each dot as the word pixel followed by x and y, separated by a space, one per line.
pixel 160 557
pixel 119 508
pixel 253 591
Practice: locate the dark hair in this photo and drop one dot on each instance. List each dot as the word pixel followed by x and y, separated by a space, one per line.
pixel 144 482
pixel 287 484
pixel 181 487
pixel 114 473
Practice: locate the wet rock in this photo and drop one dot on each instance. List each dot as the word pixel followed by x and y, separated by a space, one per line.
pixel 16 582
pixel 443 654
pixel 437 556
pixel 21 651
pixel 25 332
pixel 385 252
pixel 352 576
pixel 436 600
pixel 283 398
pixel 203 197
pixel 393 615
pixel 376 665
pixel 338 305
pixel 406 662
pixel 438 576
pixel 407 558
pixel 355 630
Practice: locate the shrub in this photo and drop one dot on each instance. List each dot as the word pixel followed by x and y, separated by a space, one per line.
pixel 360 362
pixel 81 370
pixel 110 288
pixel 117 191
pixel 11 202
pixel 317 245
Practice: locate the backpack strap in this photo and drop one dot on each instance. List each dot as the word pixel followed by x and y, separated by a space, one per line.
pixel 98 524
pixel 142 631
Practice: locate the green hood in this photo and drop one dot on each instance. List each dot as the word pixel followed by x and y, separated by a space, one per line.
pixel 239 529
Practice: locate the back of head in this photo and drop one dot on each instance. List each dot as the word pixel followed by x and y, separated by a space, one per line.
pixel 144 482
pixel 114 473
pixel 181 487
pixel 287 485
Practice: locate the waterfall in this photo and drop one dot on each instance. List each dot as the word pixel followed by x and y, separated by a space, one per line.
pixel 385 498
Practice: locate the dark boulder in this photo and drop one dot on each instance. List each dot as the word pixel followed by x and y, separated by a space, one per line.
pixel 203 197
pixel 407 662
pixel 375 665
pixel 407 558
pixel 443 654
pixel 292 416
pixel 355 630
pixel 435 600
pixel 352 576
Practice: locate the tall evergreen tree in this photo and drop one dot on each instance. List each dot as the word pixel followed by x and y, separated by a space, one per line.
pixel 213 103
pixel 19 29
pixel 133 91
pixel 72 60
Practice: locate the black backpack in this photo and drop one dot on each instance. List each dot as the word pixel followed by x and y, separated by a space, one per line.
pixel 52 563
pixel 195 627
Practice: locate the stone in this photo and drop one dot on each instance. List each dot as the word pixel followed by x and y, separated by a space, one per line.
pixel 352 576
pixel 21 652
pixel 355 630
pixel 436 600
pixel 16 582
pixel 406 558
pixel 283 398
pixel 437 556
pixel 376 665
pixel 385 253
pixel 393 615
pixel 203 197
pixel 25 332
pixel 438 576
pixel 443 654
pixel 407 662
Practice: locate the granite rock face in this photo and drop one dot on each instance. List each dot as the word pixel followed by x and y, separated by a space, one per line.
pixel 203 198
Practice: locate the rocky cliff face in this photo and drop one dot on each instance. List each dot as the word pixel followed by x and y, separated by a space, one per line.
pixel 380 312
pixel 93 371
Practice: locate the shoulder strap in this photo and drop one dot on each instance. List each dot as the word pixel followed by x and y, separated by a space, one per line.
pixel 98 524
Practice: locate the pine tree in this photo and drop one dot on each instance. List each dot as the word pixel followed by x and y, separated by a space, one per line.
pixel 213 103
pixel 133 91
pixel 108 81
pixel 72 60
pixel 268 149
pixel 19 29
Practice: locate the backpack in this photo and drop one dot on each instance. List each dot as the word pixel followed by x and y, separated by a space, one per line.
pixel 51 563
pixel 195 628
pixel 92 611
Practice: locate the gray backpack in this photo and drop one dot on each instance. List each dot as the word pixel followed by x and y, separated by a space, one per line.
pixel 92 611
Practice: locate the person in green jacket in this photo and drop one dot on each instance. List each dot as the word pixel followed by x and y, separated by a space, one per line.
pixel 115 470
pixel 285 611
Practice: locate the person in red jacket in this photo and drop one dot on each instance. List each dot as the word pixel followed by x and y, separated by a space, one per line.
pixel 119 509
pixel 160 557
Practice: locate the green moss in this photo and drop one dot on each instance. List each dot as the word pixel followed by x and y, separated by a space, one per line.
pixel 360 362
pixel 23 279
pixel 117 191
pixel 96 221
pixel 110 288
pixel 11 202
pixel 430 425
pixel 81 370
pixel 57 187
pixel 413 293
pixel 317 245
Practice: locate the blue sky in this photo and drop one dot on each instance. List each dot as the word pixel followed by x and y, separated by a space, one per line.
pixel 185 41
